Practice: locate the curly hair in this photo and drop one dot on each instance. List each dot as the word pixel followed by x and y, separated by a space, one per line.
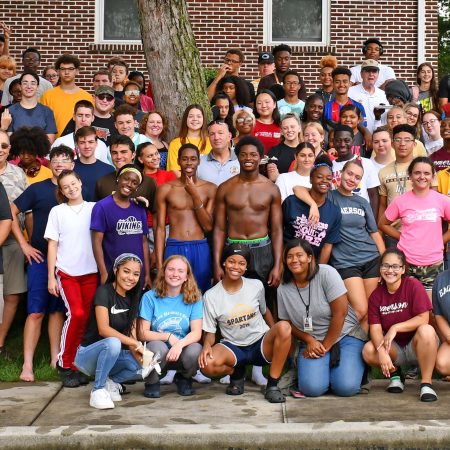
pixel 189 289
pixel 143 124
pixel 329 61
pixel 32 140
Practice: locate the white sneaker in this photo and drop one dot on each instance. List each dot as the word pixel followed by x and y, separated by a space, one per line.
pixel 114 390
pixel 257 376
pixel 200 378
pixel 225 379
pixel 100 399
pixel 168 379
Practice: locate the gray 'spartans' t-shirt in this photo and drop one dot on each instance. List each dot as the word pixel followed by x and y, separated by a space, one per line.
pixel 238 314
pixel 326 287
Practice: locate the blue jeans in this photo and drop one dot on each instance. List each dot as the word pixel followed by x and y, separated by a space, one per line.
pixel 315 377
pixel 106 358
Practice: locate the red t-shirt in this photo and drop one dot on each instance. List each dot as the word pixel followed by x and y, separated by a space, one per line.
pixel 268 134
pixel 161 177
pixel 408 301
pixel 441 159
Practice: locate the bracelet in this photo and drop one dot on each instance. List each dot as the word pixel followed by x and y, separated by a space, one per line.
pixel 199 207
pixel 168 339
pixel 139 346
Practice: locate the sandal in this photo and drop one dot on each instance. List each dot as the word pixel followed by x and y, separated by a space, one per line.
pixel 184 385
pixel 152 390
pixel 236 387
pixel 273 394
pixel 427 393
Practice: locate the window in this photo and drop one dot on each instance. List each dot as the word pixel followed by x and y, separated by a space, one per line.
pixel 296 22
pixel 117 21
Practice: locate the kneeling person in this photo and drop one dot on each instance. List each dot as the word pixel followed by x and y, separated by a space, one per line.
pixel 238 306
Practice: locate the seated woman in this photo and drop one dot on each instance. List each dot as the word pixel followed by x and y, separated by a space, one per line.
pixel 109 350
pixel 313 299
pixel 399 312
pixel 237 306
pixel 170 320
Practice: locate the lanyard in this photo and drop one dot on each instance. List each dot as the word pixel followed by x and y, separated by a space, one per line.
pixel 301 298
pixel 401 187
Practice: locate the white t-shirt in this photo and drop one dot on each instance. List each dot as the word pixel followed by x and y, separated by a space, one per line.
pixel 101 152
pixel 70 227
pixel 287 181
pixel 378 166
pixel 369 101
pixel 369 180
pixel 238 314
pixel 386 73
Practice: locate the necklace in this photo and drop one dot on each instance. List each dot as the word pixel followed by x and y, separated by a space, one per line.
pixel 75 210
pixel 401 187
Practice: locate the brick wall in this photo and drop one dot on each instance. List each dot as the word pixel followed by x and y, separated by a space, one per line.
pixel 68 26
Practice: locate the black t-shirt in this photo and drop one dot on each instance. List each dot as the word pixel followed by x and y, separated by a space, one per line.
pixel 444 87
pixel 5 214
pixel 118 312
pixel 285 155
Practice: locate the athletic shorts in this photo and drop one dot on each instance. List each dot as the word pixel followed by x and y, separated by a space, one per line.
pixel 248 354
pixel 370 269
pixel 39 299
pixel 261 258
pixel 199 256
pixel 426 274
pixel 14 277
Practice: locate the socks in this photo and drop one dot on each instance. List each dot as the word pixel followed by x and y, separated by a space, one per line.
pixel 272 381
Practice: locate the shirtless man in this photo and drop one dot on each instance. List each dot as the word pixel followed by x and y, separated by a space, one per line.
pixel 246 206
pixel 188 202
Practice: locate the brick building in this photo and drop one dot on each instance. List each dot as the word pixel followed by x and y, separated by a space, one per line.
pixel 408 29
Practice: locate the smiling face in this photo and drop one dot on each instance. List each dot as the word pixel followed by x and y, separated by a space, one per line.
pixel 127 184
pixel 313 137
pixel 298 261
pixel 4 148
pixel 412 115
pixel 175 273
pixel 321 180
pixel 392 275
pixel 131 94
pixel 6 71
pixel 382 143
pixel 52 76
pixel 125 125
pixel 425 74
pixel 235 267
pixel 325 77
pixel 432 125
pixel 127 277
pixel 421 177
pixel 219 136
pixel 445 129
pixel 350 118
pixel 395 116
pixel 403 145
pixel 194 120
pixel 341 84
pixel 265 105
pixel 29 86
pixel 290 128
pixel 70 187
pixel 343 141
pixel 188 162
pixel 351 177
pixel 121 154
pixel 244 123
pixel 314 109
pixel 249 158
pixel 150 157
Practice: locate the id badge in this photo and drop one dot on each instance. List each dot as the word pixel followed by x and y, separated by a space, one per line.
pixel 307 324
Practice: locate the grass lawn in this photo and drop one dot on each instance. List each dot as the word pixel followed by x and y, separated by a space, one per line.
pixel 10 369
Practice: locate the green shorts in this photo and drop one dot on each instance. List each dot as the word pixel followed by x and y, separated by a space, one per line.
pixel 426 274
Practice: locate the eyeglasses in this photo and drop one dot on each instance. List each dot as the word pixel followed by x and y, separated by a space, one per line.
pixel 246 120
pixel 404 140
pixel 56 162
pixel 411 114
pixel 291 83
pixel 231 61
pixel 4 146
pixel 429 122
pixel 132 92
pixel 67 69
pixel 107 97
pixel 394 267
pixel 53 75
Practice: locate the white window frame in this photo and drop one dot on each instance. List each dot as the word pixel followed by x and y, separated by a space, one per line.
pixel 326 8
pixel 99 27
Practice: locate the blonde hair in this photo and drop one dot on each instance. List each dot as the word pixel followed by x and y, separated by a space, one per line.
pixel 189 289
pixel 293 115
pixel 328 61
pixel 315 125
pixel 240 111
pixel 8 62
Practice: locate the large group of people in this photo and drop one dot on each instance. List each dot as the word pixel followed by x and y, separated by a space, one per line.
pixel 300 229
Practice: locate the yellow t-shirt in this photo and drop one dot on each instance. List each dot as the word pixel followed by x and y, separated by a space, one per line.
pixel 62 104
pixel 444 182
pixel 174 146
pixel 44 174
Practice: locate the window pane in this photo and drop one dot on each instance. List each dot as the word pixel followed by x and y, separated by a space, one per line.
pixel 121 21
pixel 297 20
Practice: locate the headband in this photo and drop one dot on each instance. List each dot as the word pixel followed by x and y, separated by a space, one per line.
pixel 134 170
pixel 123 257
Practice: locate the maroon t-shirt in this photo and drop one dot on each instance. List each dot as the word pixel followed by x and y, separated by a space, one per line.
pixel 408 301
pixel 441 159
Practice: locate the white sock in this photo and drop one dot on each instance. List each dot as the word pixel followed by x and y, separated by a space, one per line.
pixel 200 378
pixel 168 379
pixel 258 377
pixel 225 379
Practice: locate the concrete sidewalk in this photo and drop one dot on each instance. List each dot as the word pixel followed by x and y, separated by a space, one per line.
pixel 46 416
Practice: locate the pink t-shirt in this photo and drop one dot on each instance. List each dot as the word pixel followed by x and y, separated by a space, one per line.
pixel 421 235
pixel 268 134
pixel 408 301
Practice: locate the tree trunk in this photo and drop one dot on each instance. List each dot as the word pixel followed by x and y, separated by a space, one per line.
pixel 172 57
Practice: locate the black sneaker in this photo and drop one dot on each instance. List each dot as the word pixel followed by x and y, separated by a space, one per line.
pixel 83 378
pixel 69 377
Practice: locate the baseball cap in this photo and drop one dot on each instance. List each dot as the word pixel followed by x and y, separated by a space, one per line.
pixel 104 89
pixel 266 58
pixel 370 64
pixel 236 249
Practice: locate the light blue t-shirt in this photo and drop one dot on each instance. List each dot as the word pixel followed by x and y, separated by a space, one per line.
pixel 169 314
pixel 284 108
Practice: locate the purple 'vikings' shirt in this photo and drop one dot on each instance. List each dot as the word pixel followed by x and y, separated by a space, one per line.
pixel 122 228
